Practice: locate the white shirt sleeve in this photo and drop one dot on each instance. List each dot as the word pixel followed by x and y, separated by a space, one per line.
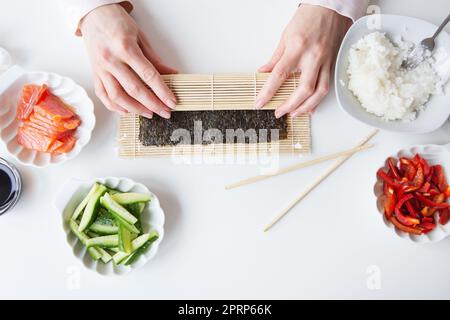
pixel 76 10
pixel 354 9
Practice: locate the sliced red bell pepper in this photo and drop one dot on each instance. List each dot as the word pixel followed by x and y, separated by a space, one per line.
pixel 429 203
pixel 427 226
pixel 439 178
pixel 426 211
pixel 426 167
pixel 430 175
pixel 404 219
pixel 393 168
pixel 440 198
pixel 408 168
pixel 411 209
pixel 404 228
pixel 444 216
pixel 387 189
pixel 411 173
pixel 409 188
pixel 428 219
pixel 419 178
pixel 416 159
pixel 389 205
pixel 425 188
pixel 433 191
pixel 384 176
pixel 405 161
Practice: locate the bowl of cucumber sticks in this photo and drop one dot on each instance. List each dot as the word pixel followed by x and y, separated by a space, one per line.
pixel 113 225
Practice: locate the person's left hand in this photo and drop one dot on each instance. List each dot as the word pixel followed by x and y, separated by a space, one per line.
pixel 308 45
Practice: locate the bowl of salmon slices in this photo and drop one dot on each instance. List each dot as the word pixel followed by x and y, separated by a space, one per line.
pixel 45 118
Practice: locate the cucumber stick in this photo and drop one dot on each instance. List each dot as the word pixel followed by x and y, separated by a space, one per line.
pixel 104 229
pixel 124 239
pixel 112 191
pixel 129 227
pixel 136 208
pixel 137 243
pixel 103 242
pixel 85 201
pixel 117 210
pixel 80 235
pixel 128 198
pixel 106 257
pixel 90 211
pixel 136 254
pixel 92 234
pixel 95 253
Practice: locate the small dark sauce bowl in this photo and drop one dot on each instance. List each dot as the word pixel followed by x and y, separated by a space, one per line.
pixel 10 200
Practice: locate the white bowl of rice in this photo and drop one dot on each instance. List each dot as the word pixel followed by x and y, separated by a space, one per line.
pixel 373 87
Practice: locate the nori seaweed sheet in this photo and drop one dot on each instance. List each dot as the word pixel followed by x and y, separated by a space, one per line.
pixel 206 127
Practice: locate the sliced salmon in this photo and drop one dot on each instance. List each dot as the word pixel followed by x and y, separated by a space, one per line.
pixel 68 124
pixel 72 123
pixel 32 139
pixel 47 124
pixel 47 130
pixel 54 146
pixel 31 95
pixel 53 108
pixel 68 144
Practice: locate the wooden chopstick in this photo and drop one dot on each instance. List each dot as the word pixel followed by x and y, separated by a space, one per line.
pixel 298 166
pixel 321 178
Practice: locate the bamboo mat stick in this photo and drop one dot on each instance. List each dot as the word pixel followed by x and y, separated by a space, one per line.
pixel 298 166
pixel 319 180
pixel 225 91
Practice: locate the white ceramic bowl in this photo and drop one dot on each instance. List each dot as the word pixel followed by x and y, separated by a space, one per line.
pixel 434 154
pixel 11 83
pixel 437 110
pixel 152 219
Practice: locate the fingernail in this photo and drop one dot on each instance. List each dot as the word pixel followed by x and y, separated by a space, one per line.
pixel 148 115
pixel 171 104
pixel 278 115
pixel 259 104
pixel 165 114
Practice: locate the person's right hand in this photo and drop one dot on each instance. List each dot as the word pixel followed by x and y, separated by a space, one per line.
pixel 124 63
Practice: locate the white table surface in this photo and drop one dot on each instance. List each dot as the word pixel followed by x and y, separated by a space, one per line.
pixel 214 245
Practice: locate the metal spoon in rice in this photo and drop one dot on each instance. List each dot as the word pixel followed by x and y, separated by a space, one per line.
pixel 416 56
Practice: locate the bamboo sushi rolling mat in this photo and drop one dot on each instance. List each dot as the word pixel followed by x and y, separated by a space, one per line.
pixel 210 92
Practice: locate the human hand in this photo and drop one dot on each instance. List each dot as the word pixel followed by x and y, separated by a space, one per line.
pixel 124 63
pixel 309 45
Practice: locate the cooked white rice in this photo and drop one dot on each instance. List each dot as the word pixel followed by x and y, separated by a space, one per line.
pixel 382 86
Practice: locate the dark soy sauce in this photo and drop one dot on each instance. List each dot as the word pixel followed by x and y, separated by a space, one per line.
pixel 9 188
pixel 6 184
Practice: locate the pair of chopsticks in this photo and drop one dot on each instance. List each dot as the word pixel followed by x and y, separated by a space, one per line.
pixel 342 156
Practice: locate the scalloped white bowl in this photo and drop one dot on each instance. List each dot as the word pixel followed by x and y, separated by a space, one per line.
pixel 152 219
pixel 437 109
pixel 434 154
pixel 11 83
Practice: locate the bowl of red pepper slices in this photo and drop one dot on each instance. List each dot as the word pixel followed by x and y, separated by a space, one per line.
pixel 413 193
